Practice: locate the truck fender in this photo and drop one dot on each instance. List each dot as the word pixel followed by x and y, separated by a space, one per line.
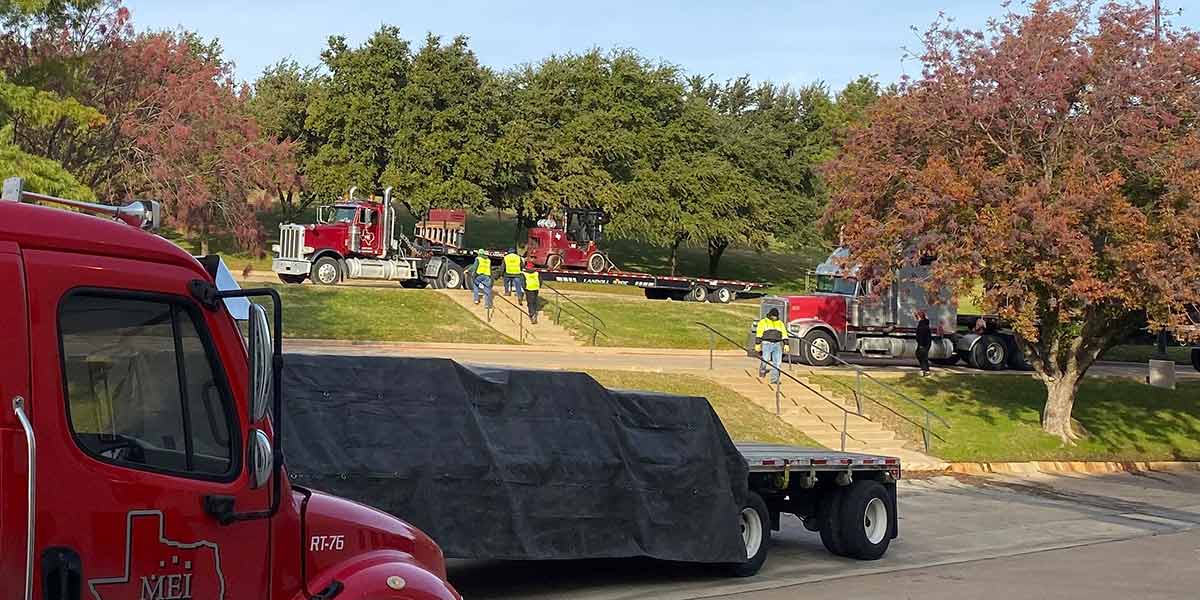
pixel 966 341
pixel 382 575
pixel 801 327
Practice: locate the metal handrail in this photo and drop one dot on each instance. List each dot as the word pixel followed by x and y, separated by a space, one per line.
pixel 926 429
pixel 778 407
pixel 559 311
pixel 523 332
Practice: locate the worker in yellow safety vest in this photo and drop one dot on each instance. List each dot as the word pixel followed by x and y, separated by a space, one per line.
pixel 771 341
pixel 481 275
pixel 533 284
pixel 512 275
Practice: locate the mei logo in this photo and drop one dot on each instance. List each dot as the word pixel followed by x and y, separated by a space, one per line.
pixel 321 543
pixel 157 568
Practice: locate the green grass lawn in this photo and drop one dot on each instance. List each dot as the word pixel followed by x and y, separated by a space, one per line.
pixel 743 419
pixel 655 323
pixel 1141 353
pixel 997 418
pixel 374 314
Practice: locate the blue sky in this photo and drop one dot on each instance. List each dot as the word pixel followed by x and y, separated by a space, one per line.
pixel 795 42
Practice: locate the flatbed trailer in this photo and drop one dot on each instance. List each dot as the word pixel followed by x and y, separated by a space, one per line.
pixel 848 498
pixel 663 287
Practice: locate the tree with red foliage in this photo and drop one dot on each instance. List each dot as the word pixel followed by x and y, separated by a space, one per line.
pixel 193 143
pixel 1055 159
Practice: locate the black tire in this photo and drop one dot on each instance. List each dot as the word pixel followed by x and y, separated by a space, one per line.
pixel 597 263
pixel 990 353
pixel 414 284
pixel 864 516
pixel 829 523
pixel 1016 358
pixel 949 361
pixel 451 277
pixel 756 526
pixel 697 294
pixel 326 271
pixel 1196 358
pixel 721 295
pixel 292 279
pixel 825 348
pixel 554 261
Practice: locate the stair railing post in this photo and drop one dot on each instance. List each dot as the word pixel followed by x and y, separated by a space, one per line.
pixel 845 424
pixel 778 403
pixel 858 390
pixel 925 432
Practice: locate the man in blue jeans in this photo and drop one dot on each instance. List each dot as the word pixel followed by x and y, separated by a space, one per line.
pixel 771 341
pixel 480 272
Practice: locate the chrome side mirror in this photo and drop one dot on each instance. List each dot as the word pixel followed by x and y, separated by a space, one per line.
pixel 261 353
pixel 258 458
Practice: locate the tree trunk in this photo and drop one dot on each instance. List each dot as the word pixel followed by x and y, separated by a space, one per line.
pixel 1060 400
pixel 204 246
pixel 675 256
pixel 716 247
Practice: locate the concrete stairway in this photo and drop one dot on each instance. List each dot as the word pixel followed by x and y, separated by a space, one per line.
pixel 514 322
pixel 805 410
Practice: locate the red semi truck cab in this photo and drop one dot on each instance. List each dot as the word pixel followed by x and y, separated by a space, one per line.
pixel 138 457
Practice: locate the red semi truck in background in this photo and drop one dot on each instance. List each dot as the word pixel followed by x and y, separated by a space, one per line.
pixel 138 453
pixel 846 315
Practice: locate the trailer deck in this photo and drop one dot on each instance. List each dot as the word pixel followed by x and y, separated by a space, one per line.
pixel 661 287
pixel 772 458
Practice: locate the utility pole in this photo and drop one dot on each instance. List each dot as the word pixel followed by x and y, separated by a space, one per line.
pixel 1157 20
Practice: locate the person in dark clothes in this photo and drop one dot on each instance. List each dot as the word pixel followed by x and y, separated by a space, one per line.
pixel 924 341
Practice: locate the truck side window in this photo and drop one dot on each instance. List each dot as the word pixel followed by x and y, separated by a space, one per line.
pixel 141 386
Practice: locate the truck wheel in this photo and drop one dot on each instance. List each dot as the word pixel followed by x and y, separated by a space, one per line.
pixel 1016 358
pixel 756 535
pixel 1196 358
pixel 989 354
pixel 829 523
pixel 721 295
pixel 818 348
pixel 597 263
pixel 697 294
pixel 326 271
pixel 653 294
pixel 451 277
pixel 865 518
pixel 292 279
pixel 554 261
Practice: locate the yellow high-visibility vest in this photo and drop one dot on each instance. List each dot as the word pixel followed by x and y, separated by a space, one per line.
pixel 484 266
pixel 770 331
pixel 533 281
pixel 512 264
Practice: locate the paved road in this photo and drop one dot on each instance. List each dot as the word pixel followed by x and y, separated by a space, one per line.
pixel 1115 536
pixel 649 359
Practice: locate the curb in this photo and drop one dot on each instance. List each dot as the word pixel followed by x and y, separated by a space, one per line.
pixel 1053 467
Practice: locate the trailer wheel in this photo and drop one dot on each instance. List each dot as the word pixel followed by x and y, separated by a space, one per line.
pixel 1016 358
pixel 326 271
pixel 554 261
pixel 1196 358
pixel 990 353
pixel 697 294
pixel 292 279
pixel 756 535
pixel 721 295
pixel 597 263
pixel 948 361
pixel 653 294
pixel 818 348
pixel 865 519
pixel 829 522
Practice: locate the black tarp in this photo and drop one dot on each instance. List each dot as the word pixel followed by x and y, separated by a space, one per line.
pixel 517 464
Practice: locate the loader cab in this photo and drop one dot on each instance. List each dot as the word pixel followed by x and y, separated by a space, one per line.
pixel 585 225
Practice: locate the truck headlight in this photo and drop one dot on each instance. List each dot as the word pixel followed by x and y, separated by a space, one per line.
pixel 308 249
pixel 275 248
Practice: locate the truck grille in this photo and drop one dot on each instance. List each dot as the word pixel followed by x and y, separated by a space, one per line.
pixel 291 241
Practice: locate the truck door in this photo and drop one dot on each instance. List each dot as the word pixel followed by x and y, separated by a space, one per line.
pixel 370 235
pixel 140 413
pixel 14 381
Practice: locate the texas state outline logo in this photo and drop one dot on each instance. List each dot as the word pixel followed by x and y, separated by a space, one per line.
pixel 157 568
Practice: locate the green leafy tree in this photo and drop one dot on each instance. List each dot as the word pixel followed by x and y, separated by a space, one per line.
pixel 44 175
pixel 280 104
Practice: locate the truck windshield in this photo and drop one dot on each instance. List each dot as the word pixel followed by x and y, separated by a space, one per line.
pixel 343 214
pixel 836 285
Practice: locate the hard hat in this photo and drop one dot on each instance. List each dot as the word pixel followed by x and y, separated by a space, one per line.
pixel 481 252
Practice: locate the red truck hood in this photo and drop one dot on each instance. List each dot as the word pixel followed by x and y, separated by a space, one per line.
pixel 828 308
pixel 362 529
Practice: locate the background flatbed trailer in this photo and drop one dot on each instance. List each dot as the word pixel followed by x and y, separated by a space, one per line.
pixel 662 287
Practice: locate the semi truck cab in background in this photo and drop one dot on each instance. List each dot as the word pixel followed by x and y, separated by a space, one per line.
pixel 139 444
pixel 846 315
